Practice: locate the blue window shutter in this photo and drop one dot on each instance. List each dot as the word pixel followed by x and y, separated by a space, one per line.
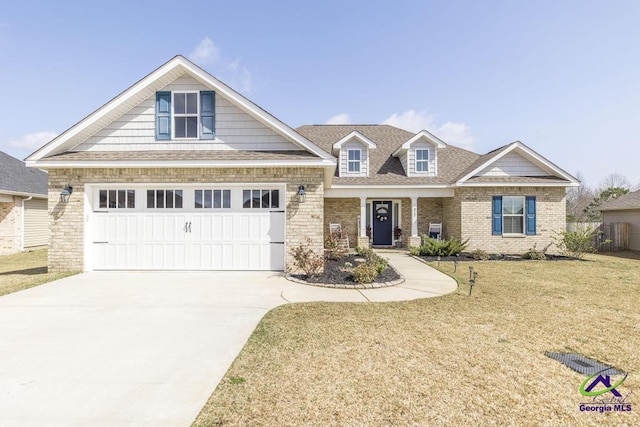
pixel 163 115
pixel 207 115
pixel 531 215
pixel 497 216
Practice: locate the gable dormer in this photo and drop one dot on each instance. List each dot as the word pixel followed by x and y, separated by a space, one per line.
pixel 353 155
pixel 419 155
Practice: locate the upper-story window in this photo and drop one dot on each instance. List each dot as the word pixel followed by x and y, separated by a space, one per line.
pixel 353 161
pixel 422 160
pixel 185 115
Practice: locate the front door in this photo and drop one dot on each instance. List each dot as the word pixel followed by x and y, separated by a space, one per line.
pixel 383 223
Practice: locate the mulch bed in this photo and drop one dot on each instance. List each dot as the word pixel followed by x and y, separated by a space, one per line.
pixel 495 257
pixel 336 273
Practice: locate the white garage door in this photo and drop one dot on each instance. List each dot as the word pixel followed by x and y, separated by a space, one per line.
pixel 186 228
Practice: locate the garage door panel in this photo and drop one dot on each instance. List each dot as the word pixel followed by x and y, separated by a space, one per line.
pixel 204 240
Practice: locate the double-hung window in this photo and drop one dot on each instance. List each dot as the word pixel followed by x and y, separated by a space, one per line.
pixel 422 160
pixel 185 115
pixel 353 161
pixel 514 215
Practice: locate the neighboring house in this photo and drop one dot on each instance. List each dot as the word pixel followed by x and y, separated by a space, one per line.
pixel 181 172
pixel 625 208
pixel 24 222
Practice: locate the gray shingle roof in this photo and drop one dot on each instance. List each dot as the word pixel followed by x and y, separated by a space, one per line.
pixel 384 168
pixel 516 179
pixel 180 155
pixel 17 178
pixel 626 201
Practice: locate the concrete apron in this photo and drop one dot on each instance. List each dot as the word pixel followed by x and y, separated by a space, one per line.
pixel 140 348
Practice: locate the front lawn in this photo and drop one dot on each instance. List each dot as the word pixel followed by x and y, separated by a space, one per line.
pixel 25 270
pixel 452 360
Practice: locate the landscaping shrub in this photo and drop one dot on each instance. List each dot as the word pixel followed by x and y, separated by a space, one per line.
pixel 335 251
pixel 479 255
pixel 365 273
pixel 577 243
pixel 306 260
pixel 373 261
pixel 434 247
pixel 535 254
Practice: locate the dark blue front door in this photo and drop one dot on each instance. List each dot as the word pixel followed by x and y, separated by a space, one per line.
pixel 382 223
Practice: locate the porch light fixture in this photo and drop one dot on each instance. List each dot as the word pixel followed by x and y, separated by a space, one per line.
pixel 302 195
pixel 65 194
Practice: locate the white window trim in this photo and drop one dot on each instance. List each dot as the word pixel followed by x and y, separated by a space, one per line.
pixel 357 162
pixel 426 161
pixel 174 115
pixel 523 215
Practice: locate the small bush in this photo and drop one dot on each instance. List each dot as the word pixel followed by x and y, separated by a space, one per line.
pixel 371 259
pixel 434 247
pixel 334 249
pixel 479 255
pixel 534 254
pixel 364 273
pixel 577 243
pixel 414 250
pixel 306 260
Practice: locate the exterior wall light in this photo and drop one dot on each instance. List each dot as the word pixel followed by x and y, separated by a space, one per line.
pixel 65 194
pixel 301 194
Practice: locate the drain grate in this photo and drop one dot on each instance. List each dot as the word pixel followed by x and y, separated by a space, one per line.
pixel 583 364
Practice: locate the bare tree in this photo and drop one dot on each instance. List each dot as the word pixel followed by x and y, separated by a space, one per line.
pixel 614 180
pixel 578 198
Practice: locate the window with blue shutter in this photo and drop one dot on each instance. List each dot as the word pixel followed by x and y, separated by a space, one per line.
pixel 163 115
pixel 207 115
pixel 531 215
pixel 497 216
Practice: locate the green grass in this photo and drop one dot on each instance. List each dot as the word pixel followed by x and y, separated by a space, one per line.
pixel 25 270
pixel 452 360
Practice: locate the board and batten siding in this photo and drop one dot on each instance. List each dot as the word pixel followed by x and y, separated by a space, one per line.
pixel 364 158
pixel 411 159
pixel 632 216
pixel 512 164
pixel 36 223
pixel 235 129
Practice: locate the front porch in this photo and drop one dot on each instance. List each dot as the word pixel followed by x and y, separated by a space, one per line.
pixel 388 221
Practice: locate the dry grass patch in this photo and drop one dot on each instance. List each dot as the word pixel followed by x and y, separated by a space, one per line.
pixel 451 360
pixel 25 270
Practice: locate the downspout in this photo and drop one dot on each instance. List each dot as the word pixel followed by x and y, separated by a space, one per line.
pixel 22 237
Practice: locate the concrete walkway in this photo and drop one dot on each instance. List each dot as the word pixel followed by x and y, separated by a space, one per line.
pixel 147 348
pixel 421 281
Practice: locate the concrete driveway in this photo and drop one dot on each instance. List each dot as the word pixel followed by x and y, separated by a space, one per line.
pixel 141 348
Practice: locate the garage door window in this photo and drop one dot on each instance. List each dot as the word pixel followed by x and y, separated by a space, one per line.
pixel 261 199
pixel 117 199
pixel 212 199
pixel 164 199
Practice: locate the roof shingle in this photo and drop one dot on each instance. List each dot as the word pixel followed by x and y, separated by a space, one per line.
pixel 18 178
pixel 384 168
pixel 626 201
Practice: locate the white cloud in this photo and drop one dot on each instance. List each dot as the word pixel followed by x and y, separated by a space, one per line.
pixel 33 141
pixel 231 71
pixel 205 53
pixel 454 133
pixel 339 119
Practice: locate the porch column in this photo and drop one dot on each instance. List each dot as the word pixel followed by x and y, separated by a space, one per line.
pixel 363 240
pixel 414 240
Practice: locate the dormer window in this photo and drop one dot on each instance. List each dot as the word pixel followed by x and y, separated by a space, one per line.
pixel 353 161
pixel 422 160
pixel 185 115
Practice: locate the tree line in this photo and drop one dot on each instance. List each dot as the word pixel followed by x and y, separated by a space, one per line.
pixel 583 202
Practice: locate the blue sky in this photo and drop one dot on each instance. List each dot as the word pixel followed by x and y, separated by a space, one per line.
pixel 561 76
